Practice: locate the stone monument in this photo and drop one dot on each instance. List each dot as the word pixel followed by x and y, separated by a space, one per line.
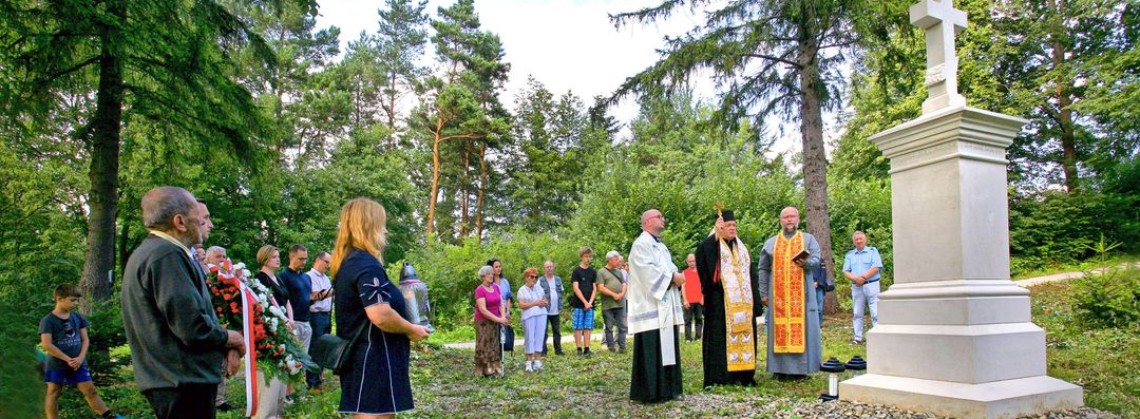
pixel 955 337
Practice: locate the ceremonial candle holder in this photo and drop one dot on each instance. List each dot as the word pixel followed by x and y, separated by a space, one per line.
pixel 833 368
pixel 416 297
pixel 856 365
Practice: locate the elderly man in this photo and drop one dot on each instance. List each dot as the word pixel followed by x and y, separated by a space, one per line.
pixel 861 266
pixel 177 345
pixel 555 293
pixel 785 270
pixel 654 304
pixel 731 292
pixel 612 285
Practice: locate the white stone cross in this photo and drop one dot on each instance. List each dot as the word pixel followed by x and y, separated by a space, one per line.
pixel 941 21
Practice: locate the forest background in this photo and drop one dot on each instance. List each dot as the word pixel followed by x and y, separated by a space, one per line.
pixel 257 111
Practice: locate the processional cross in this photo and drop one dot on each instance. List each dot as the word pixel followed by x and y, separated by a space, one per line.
pixel 941 21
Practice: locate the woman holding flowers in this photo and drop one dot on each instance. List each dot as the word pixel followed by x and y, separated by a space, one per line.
pixel 271 391
pixel 376 384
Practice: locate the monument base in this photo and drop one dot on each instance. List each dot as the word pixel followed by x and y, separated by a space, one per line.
pixel 997 399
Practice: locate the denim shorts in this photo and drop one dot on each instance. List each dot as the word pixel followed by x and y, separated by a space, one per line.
pixel 66 376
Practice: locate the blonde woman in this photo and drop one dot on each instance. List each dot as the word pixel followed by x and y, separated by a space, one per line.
pixel 376 383
pixel 271 392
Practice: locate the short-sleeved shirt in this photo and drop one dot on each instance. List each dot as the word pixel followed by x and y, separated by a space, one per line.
pixel 493 297
pixel 64 335
pixel 692 287
pixel 529 295
pixel 505 289
pixel 320 282
pixel 585 278
pixel 613 281
pixel 362 275
pixel 300 292
pixel 859 262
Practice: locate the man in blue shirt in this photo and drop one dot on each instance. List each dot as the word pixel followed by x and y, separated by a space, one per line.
pixel 300 292
pixel 861 266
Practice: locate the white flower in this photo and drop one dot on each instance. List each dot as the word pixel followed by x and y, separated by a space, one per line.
pixel 276 311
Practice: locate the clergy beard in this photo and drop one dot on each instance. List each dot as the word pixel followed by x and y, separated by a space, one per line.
pixel 789 230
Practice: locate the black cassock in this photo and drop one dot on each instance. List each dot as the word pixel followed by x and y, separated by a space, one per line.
pixel 713 343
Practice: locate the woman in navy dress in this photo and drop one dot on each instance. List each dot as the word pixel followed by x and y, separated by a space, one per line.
pixel 377 383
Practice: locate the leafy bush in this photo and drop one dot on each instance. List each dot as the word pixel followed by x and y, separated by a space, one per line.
pixel 1111 299
pixel 1057 228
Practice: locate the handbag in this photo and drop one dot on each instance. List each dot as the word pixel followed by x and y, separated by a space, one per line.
pixel 333 352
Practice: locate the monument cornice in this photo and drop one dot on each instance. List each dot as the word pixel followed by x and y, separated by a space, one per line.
pixel 957 132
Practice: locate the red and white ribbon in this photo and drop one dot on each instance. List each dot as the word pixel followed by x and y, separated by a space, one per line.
pixel 248 309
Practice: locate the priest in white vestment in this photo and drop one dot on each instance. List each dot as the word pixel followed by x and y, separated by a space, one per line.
pixel 655 313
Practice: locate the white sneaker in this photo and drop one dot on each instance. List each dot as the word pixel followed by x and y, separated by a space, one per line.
pixel 529 366
pixel 538 364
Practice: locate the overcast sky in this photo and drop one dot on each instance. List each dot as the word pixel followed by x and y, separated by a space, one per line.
pixel 568 45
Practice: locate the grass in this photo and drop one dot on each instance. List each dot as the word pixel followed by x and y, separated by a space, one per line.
pixel 1088 264
pixel 1101 360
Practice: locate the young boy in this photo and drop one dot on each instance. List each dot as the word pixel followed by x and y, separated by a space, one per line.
pixel 63 335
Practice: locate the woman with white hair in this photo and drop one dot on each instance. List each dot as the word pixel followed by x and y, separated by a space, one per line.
pixel 489 315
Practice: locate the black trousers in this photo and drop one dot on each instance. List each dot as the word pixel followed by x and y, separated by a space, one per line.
pixel 556 325
pixel 188 401
pixel 694 319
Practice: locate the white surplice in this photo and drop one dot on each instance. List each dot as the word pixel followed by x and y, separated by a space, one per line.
pixel 654 303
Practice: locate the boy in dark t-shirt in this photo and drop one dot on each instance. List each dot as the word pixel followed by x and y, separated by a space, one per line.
pixel 582 300
pixel 63 335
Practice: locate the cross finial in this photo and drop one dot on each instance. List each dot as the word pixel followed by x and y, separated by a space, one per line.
pixel 941 21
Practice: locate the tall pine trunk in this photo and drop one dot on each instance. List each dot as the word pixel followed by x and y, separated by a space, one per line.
pixel 815 160
pixel 1064 115
pixel 104 170
pixel 479 204
pixel 465 192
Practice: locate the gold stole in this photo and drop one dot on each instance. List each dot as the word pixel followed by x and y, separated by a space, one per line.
pixel 788 331
pixel 739 323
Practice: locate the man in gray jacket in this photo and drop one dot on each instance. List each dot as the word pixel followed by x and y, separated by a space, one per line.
pixel 552 286
pixel 177 345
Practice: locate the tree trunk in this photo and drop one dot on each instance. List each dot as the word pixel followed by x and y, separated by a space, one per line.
pixel 390 111
pixel 104 170
pixel 815 158
pixel 465 192
pixel 124 245
pixel 1065 115
pixel 482 190
pixel 434 174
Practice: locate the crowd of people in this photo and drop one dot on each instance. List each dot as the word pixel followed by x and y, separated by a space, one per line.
pixel 182 353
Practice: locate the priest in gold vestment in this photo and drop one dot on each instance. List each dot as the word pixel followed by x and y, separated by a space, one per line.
pixel 732 303
pixel 785 272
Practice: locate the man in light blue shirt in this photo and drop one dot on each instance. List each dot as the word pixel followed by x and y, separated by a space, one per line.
pixel 861 266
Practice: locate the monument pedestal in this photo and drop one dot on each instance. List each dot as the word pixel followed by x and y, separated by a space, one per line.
pixel 955 336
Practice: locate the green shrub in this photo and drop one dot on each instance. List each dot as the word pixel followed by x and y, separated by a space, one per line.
pixel 1111 299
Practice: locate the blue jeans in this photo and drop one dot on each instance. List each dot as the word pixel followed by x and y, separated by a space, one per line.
pixel 322 325
pixel 819 296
